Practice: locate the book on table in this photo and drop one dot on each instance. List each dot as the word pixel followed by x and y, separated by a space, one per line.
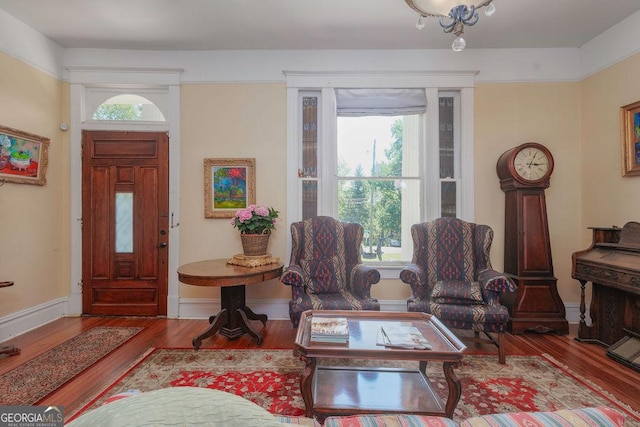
pixel 329 329
pixel 397 336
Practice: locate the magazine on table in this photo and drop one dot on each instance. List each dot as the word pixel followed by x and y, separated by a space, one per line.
pixel 402 337
pixel 329 329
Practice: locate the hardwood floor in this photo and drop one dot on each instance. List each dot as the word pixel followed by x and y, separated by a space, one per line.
pixel 587 360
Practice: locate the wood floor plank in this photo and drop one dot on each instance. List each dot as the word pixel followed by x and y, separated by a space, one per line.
pixel 589 361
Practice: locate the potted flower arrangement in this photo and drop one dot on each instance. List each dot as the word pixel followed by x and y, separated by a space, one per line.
pixel 255 224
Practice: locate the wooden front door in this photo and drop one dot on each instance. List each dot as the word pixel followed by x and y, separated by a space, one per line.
pixel 125 219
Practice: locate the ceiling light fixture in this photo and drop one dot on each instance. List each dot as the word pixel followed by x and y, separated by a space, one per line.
pixel 453 15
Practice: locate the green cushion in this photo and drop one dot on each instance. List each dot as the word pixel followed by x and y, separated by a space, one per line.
pixel 179 406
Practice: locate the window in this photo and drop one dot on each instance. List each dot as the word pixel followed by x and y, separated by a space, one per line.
pixel 128 107
pixel 378 169
pixel 385 157
pixel 117 105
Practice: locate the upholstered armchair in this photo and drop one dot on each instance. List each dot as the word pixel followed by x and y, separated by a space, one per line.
pixel 325 271
pixel 451 277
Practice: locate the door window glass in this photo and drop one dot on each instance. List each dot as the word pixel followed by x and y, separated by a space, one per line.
pixel 124 222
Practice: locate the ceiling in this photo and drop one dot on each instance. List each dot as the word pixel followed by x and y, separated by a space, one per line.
pixel 308 24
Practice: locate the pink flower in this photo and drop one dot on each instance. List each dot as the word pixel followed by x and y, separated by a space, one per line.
pixel 262 211
pixel 255 219
pixel 244 214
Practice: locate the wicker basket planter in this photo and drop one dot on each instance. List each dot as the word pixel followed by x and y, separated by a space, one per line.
pixel 255 244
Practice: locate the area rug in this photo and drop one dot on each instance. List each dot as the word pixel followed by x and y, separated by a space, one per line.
pixel 270 378
pixel 34 380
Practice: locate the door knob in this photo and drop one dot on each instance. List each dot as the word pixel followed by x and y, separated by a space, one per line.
pixel 162 245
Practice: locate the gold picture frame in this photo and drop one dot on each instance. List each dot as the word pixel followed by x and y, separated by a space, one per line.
pixel 630 129
pixel 23 157
pixel 229 185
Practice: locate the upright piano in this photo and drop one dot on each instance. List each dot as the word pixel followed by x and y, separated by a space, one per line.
pixel 612 265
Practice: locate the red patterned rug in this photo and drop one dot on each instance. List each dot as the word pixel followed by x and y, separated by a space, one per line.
pixel 270 378
pixel 32 381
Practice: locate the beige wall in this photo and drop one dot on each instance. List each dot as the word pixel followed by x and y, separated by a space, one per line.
pixel 578 122
pixel 608 198
pixel 507 115
pixel 248 120
pixel 34 220
pixel 231 121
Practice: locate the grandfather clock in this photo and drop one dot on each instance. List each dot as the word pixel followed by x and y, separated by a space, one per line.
pixel 524 173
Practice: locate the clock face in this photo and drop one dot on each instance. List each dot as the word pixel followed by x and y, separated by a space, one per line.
pixel 531 164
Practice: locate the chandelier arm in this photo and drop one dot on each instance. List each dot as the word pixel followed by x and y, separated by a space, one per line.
pixel 465 15
pixel 447 27
pixel 467 20
pixel 467 12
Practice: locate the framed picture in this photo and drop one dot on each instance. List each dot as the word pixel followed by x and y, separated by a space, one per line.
pixel 23 157
pixel 630 128
pixel 229 185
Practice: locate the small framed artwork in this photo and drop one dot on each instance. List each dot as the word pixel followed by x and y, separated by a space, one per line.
pixel 229 185
pixel 630 128
pixel 23 157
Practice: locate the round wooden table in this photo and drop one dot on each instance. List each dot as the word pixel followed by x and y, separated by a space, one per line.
pixel 233 319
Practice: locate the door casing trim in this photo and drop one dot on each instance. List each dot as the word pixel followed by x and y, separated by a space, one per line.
pixel 172 126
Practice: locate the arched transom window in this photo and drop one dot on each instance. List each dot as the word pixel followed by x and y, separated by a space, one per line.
pixel 128 107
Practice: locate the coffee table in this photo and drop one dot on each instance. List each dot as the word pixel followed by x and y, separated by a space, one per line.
pixel 347 390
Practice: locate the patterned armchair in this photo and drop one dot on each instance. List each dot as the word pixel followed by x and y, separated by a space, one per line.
pixel 325 271
pixel 451 277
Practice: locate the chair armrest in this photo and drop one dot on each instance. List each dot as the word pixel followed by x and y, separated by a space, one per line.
pixel 415 276
pixel 494 283
pixel 362 277
pixel 292 276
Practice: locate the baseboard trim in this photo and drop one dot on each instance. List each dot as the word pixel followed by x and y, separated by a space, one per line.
pixel 198 308
pixel 31 318
pixel 188 308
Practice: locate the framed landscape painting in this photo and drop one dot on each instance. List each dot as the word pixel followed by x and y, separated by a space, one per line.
pixel 630 129
pixel 229 185
pixel 23 157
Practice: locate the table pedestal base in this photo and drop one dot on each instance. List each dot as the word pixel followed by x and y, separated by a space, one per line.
pixel 9 350
pixel 233 319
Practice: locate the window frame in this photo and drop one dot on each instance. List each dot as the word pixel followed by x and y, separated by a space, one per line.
pixel 94 96
pixel 435 84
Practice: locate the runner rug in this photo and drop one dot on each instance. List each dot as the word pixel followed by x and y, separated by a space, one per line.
pixel 270 378
pixel 34 380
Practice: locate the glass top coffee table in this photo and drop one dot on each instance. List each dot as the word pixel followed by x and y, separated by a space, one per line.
pixel 330 390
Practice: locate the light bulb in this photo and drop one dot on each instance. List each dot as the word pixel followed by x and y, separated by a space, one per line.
pixel 490 10
pixel 458 44
pixel 420 23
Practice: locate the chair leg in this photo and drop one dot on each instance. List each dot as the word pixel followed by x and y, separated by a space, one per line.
pixel 502 355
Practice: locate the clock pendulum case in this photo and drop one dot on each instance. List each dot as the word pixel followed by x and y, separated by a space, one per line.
pixel 524 173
